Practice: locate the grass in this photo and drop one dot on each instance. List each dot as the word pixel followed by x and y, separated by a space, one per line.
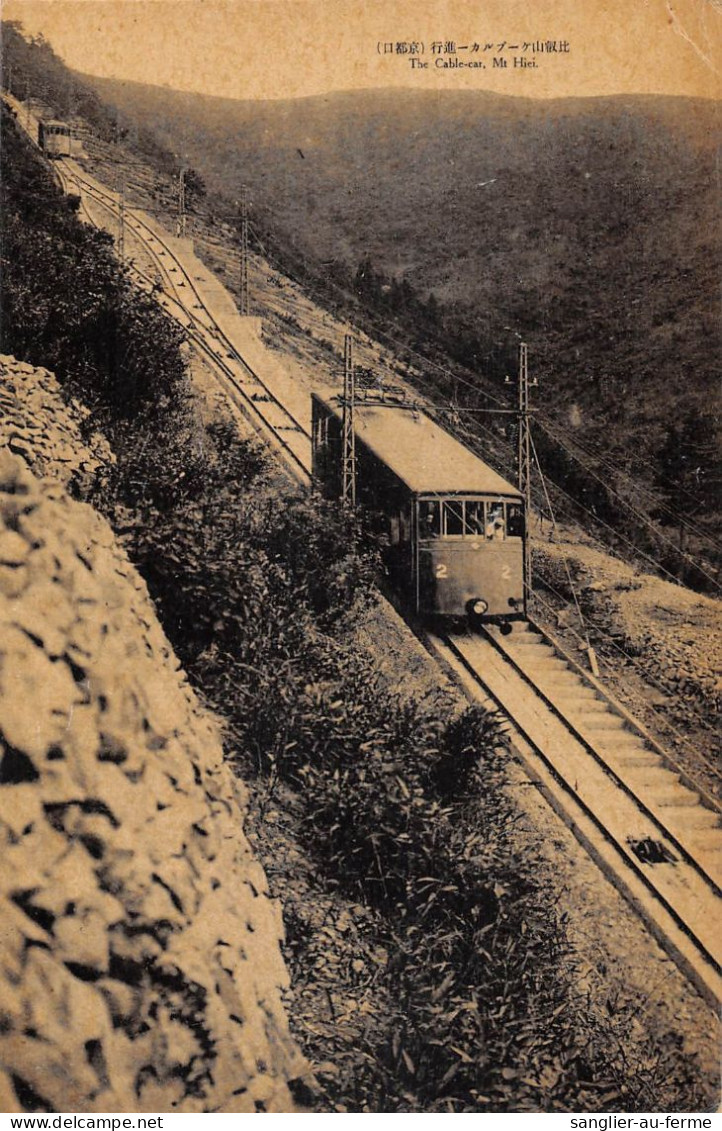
pixel 396 811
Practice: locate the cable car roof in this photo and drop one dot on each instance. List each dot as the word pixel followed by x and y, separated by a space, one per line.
pixel 423 455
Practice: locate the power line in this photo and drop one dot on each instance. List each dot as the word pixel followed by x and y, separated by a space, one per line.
pixel 637 485
pixel 480 388
pixel 349 434
pixel 243 305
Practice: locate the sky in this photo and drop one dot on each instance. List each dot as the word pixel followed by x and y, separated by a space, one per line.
pixel 294 48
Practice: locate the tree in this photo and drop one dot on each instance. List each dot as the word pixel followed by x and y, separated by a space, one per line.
pixel 195 186
pixel 689 472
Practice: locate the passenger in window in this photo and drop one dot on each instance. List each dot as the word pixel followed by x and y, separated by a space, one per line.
pixel 495 522
pixel 474 518
pixel 453 518
pixel 429 524
pixel 515 522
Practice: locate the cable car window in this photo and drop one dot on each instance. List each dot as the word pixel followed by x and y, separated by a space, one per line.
pixel 514 521
pixel 495 525
pixel 474 517
pixel 454 518
pixel 429 519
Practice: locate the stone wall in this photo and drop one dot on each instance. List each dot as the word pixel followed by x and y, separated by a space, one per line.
pixel 45 431
pixel 140 967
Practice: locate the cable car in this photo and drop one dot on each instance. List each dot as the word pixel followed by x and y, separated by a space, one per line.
pixel 55 138
pixel 454 528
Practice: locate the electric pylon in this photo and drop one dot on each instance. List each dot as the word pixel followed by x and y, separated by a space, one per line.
pixel 348 492
pixel 243 304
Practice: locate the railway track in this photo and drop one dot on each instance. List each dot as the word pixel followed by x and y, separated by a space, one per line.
pixel 655 833
pixel 184 300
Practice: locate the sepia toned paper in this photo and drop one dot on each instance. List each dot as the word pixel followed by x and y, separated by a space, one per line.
pixel 320 58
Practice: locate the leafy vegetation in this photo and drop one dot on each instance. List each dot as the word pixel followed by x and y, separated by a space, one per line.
pixel 400 810
pixel 589 227
pixel 68 306
pixel 32 71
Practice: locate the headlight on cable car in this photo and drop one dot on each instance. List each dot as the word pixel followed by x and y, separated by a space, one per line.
pixel 479 607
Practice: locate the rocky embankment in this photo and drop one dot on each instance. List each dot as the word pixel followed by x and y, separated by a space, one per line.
pixel 140 967
pixel 47 433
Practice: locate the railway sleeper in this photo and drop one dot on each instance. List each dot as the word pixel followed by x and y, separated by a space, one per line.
pixel 676 796
pixel 603 721
pixel 632 757
pixel 550 664
pixel 533 652
pixel 563 681
pixel 709 845
pixel 657 779
pixel 700 819
pixel 589 708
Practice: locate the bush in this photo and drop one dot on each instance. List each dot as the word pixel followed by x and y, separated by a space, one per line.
pixel 69 307
pixel 399 809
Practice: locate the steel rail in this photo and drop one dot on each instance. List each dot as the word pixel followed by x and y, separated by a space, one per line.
pixel 664 918
pixel 675 912
pixel 199 333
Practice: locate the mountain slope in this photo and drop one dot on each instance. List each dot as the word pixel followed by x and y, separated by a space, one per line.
pixel 588 226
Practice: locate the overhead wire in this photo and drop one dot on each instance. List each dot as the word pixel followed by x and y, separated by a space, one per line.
pixel 459 380
pixel 563 442
pixel 637 485
pixel 639 515
pixel 649 678
pixel 480 424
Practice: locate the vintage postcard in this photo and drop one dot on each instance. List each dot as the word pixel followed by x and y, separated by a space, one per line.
pixel 360 544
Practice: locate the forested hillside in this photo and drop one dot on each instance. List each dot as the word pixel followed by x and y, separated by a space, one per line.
pixel 457 224
pixel 590 227
pixel 427 943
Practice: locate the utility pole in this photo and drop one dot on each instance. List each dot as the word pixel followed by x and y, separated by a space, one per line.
pixel 524 443
pixel 243 305
pixel 524 449
pixel 182 202
pixel 348 493
pixel 524 455
pixel 121 220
